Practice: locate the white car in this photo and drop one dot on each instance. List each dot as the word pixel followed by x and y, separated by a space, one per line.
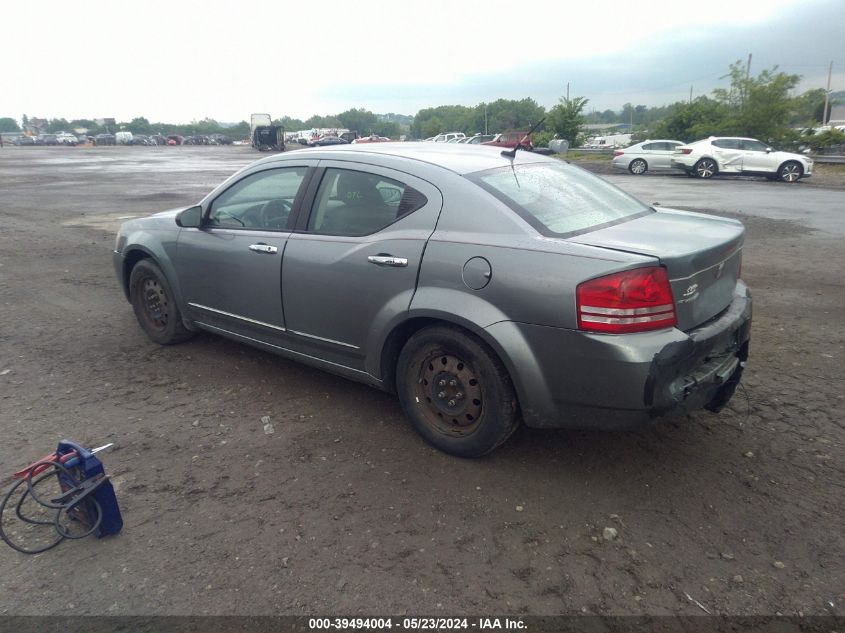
pixel 741 156
pixel 445 138
pixel 65 138
pixel 639 158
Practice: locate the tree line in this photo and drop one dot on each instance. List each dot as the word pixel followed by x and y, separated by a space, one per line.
pixel 761 106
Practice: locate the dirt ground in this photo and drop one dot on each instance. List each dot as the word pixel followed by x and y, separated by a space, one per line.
pixel 344 509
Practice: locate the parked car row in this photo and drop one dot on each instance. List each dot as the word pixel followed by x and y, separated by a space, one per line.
pixel 60 138
pixel 505 139
pixel 714 155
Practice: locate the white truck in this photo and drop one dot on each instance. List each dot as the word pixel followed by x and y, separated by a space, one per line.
pixel 264 135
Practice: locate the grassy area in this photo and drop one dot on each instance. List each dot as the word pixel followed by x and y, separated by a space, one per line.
pixel 574 154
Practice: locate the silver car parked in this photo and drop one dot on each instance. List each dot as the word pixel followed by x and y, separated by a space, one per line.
pixel 645 156
pixel 483 288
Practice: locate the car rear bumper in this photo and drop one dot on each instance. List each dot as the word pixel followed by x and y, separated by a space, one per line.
pixel 572 379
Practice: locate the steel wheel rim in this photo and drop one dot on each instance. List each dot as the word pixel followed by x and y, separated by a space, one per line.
pixel 791 173
pixel 638 166
pixel 705 168
pixel 154 304
pixel 450 394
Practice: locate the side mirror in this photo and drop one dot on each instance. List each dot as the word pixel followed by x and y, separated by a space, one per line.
pixel 190 218
pixel 769 150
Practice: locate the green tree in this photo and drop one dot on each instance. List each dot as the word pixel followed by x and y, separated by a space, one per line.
pixel 91 128
pixel 8 124
pixel 428 127
pixel 759 106
pixel 139 125
pixel 58 125
pixel 808 108
pixel 363 121
pixel 692 121
pixel 290 124
pixel 566 118
pixel 390 129
pixel 241 130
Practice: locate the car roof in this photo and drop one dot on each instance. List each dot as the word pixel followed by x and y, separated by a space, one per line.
pixel 733 138
pixel 457 157
pixel 659 140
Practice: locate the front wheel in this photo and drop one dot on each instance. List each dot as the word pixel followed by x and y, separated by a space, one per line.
pixel 154 304
pixel 790 171
pixel 638 166
pixel 706 168
pixel 456 392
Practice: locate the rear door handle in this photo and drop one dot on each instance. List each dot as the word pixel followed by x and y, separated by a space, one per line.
pixel 388 260
pixel 263 248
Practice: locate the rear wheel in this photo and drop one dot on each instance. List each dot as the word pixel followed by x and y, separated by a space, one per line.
pixel 456 392
pixel 706 168
pixel 790 171
pixel 154 305
pixel 638 166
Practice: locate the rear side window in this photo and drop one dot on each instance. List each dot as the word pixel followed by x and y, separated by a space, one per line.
pixel 727 143
pixel 558 199
pixel 754 146
pixel 360 203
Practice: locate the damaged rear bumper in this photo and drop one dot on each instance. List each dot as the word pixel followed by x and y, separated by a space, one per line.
pixel 572 379
pixel 704 370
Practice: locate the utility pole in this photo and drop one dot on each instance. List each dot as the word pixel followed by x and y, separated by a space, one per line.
pixel 748 68
pixel 827 94
pixel 485 118
pixel 567 90
pixel 690 93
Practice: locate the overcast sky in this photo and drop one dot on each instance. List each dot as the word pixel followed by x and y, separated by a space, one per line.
pixel 176 61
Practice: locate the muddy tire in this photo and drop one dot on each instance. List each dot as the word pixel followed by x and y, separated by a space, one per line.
pixel 154 305
pixel 456 392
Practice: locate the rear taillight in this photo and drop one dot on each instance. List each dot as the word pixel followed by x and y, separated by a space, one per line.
pixel 618 153
pixel 686 150
pixel 635 300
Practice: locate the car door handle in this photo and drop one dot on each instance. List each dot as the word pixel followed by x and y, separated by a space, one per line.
pixel 263 248
pixel 387 260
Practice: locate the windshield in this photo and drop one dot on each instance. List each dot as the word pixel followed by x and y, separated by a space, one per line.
pixel 558 199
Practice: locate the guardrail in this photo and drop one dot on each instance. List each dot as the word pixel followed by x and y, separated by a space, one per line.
pixel 830 160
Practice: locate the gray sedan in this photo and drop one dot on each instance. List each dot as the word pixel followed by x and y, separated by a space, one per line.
pixel 484 289
pixel 641 157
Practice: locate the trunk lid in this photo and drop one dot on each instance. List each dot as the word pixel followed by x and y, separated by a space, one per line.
pixel 701 253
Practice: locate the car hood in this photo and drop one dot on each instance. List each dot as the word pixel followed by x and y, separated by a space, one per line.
pixel 792 156
pixel 164 220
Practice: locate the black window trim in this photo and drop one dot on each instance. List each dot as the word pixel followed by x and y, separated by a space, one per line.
pixel 301 225
pixel 297 201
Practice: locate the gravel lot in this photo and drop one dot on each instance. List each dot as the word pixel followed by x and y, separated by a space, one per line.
pixel 343 509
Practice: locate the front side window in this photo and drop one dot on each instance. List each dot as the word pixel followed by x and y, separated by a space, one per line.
pixel 360 203
pixel 559 200
pixel 260 201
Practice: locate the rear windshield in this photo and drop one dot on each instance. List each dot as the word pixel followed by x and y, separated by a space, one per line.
pixel 558 199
